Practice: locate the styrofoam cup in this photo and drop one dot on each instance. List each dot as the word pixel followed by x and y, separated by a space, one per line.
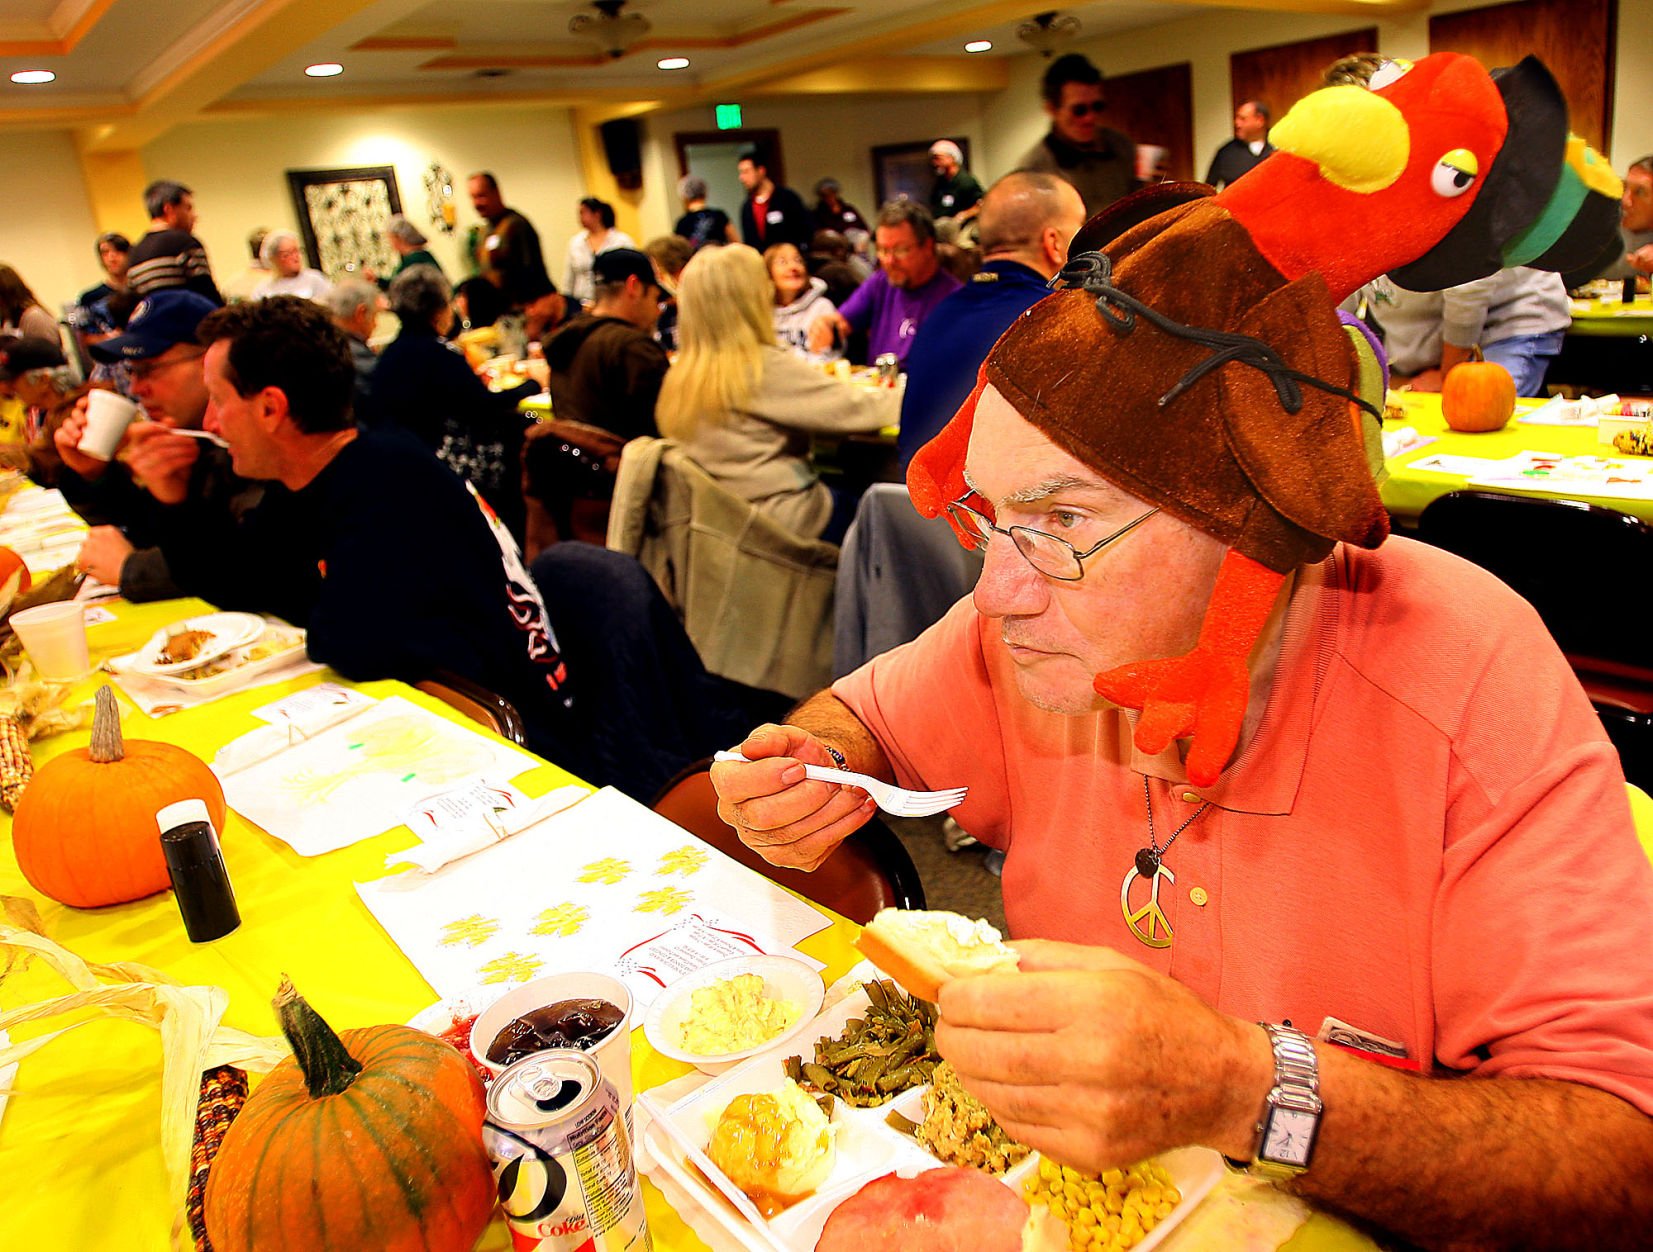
pixel 108 414
pixel 54 636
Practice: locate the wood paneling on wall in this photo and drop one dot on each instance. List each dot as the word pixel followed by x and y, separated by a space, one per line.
pixel 1283 74
pixel 1575 38
pixel 1157 106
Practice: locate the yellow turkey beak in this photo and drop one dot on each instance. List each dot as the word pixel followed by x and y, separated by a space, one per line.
pixel 1358 139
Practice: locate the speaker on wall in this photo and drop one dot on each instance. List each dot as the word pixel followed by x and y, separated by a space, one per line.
pixel 623 146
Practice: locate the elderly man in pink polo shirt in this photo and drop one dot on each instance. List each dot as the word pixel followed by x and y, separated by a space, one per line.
pixel 1356 900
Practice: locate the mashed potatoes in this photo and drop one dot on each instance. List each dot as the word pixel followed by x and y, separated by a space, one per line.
pixel 734 1014
pixel 775 1146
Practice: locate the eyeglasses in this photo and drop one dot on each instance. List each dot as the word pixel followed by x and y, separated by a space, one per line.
pixel 900 252
pixel 137 371
pixel 1085 108
pixel 1051 556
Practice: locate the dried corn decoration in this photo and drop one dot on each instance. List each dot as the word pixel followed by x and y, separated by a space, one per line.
pixel 223 1092
pixel 16 762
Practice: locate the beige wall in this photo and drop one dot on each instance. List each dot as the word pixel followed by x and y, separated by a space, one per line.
pixel 238 169
pixel 46 228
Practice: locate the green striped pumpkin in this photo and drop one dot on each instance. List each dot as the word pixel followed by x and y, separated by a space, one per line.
pixel 367 1140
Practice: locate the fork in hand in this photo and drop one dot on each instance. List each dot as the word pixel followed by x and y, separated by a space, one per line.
pixel 896 801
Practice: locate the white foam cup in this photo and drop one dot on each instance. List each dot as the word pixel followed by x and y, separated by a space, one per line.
pixel 54 636
pixel 108 414
pixel 612 1053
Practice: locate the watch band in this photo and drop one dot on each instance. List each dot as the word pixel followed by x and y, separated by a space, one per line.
pixel 1295 1094
pixel 837 756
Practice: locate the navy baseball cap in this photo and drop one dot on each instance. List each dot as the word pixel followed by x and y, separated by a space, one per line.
pixel 618 264
pixel 160 321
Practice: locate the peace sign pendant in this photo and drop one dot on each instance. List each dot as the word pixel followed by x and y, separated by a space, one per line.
pixel 1147 922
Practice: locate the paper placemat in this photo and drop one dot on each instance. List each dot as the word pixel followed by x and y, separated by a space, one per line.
pixel 607 885
pixel 358 778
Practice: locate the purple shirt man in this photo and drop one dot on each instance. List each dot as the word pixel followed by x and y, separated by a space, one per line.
pixel 891 305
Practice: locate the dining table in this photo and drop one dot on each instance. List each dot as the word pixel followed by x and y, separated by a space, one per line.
pixel 1422 458
pixel 80 1129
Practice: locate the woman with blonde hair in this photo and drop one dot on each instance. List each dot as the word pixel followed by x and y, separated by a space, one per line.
pixel 743 406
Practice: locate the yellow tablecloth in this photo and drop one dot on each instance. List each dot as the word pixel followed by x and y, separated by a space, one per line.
pixel 1611 317
pixel 1407 490
pixel 78 1139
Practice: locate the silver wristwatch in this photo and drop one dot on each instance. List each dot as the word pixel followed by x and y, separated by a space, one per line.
pixel 1290 1121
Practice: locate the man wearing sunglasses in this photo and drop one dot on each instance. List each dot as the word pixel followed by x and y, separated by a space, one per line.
pixel 1099 161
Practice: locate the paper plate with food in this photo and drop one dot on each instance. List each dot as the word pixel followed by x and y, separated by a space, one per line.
pixel 278 647
pixel 863 1137
pixel 191 643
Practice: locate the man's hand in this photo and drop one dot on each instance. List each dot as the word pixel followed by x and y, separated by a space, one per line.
pixel 1100 1062
pixel 103 554
pixel 160 460
pixel 788 819
pixel 67 441
pixel 823 330
pixel 1641 259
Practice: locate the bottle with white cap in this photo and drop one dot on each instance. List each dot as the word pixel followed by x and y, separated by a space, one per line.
pixel 196 866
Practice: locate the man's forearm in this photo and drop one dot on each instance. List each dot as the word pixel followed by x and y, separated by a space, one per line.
pixel 832 721
pixel 1504 1162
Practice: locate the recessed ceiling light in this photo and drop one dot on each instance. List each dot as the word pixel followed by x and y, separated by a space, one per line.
pixel 31 77
pixel 672 63
pixel 326 69
pixel 979 45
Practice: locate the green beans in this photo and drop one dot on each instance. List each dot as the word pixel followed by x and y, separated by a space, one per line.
pixel 889 1050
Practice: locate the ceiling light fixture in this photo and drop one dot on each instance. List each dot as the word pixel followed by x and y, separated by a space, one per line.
pixel 979 45
pixel 1048 31
pixel 609 28
pixel 324 69
pixel 31 78
pixel 672 63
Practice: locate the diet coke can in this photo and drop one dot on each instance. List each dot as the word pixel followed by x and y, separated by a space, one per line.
pixel 562 1157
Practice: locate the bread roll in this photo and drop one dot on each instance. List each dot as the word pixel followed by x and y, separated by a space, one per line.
pixel 921 949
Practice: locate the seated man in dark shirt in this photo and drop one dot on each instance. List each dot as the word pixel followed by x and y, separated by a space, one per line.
pixel 366 539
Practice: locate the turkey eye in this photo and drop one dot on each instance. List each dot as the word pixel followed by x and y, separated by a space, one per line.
pixel 1387 73
pixel 1454 173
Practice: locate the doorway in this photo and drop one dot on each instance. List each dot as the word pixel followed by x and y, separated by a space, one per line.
pixel 713 155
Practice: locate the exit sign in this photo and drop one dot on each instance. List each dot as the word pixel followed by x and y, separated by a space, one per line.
pixel 728 117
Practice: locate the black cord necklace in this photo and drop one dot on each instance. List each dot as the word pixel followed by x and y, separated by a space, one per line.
pixel 1147 922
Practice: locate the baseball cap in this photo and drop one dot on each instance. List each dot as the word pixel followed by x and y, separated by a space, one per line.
pixel 20 354
pixel 160 321
pixel 618 264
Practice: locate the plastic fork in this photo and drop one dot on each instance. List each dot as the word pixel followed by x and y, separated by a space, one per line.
pixel 896 801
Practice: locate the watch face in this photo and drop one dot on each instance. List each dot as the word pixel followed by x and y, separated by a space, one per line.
pixel 1289 1137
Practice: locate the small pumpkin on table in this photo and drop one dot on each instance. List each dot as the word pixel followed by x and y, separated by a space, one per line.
pixel 1478 396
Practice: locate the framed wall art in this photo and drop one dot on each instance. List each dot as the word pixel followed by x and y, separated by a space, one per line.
pixel 342 215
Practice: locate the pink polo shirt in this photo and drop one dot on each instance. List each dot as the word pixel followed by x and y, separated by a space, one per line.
pixel 1428 838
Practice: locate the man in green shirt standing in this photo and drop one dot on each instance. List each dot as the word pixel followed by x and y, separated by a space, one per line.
pixel 956 193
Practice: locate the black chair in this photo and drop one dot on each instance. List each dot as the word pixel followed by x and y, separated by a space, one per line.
pixel 871 870
pixel 1566 558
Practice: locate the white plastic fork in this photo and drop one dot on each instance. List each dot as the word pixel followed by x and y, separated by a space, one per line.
pixel 896 801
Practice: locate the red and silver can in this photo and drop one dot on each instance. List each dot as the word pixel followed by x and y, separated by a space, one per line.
pixel 562 1156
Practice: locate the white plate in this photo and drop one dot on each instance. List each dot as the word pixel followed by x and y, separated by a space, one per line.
pixel 228 630
pixel 867 1148
pixel 784 979
pixel 237 670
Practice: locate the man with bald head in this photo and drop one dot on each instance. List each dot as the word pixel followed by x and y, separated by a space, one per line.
pixel 1026 222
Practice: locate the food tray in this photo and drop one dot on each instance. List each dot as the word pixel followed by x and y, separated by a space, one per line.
pixel 237 669
pixel 867 1149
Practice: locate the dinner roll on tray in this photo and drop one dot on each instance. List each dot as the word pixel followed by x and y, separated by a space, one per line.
pixel 921 949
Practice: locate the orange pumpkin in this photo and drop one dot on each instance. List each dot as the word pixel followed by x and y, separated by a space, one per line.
pixel 14 577
pixel 1477 396
pixel 371 1138
pixel 85 831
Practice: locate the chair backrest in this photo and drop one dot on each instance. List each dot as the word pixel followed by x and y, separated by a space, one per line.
pixel 1568 559
pixel 477 703
pixel 869 871
pixel 755 598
